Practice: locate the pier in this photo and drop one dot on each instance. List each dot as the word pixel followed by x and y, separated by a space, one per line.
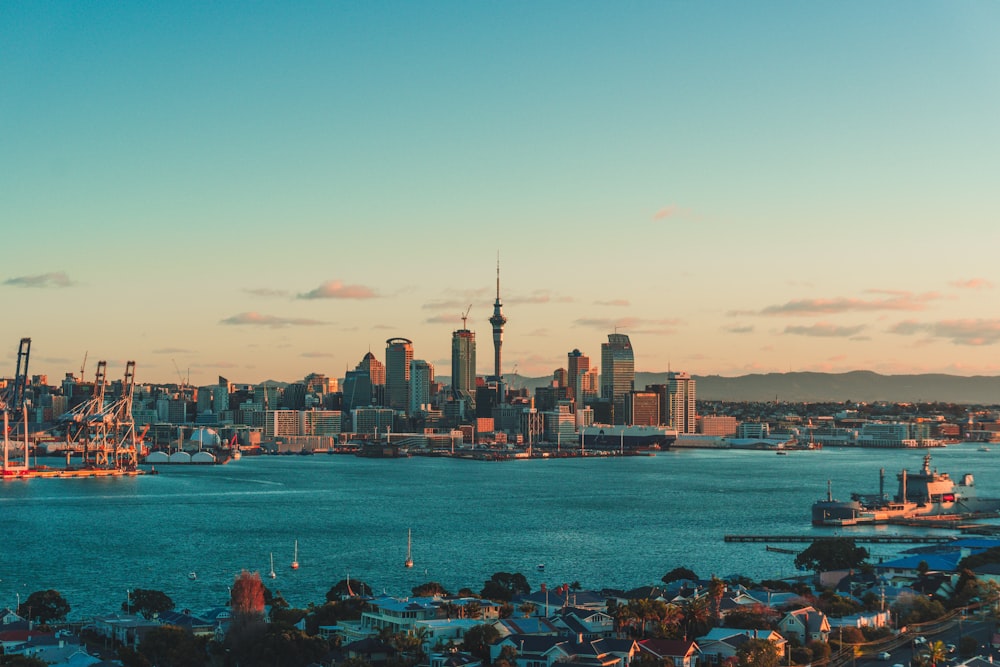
pixel 868 539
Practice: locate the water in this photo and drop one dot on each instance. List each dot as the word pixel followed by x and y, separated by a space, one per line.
pixel 619 522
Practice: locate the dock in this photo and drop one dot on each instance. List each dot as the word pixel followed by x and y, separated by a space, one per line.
pixel 868 539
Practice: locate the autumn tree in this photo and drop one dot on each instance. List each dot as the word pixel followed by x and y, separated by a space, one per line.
pixel 247 612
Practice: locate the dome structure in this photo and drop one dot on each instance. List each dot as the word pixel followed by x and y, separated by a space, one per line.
pixel 205 437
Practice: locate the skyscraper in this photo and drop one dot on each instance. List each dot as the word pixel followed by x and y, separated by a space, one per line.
pixel 617 373
pixel 577 365
pixel 398 355
pixel 375 368
pixel 681 402
pixel 498 320
pixel 463 364
pixel 421 381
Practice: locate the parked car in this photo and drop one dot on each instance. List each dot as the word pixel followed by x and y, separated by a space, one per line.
pixel 920 640
pixel 950 648
pixel 884 655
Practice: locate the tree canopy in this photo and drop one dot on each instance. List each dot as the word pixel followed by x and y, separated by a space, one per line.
pixel 503 586
pixel 44 606
pixel 348 588
pixel 832 553
pixel 148 603
pixel 677 574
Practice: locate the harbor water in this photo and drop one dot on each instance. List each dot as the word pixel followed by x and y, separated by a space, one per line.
pixel 602 522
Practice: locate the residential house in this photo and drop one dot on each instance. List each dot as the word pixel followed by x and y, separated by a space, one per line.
pixel 532 625
pixel 8 616
pixel 197 626
pixel 720 644
pixel 456 659
pixel 373 650
pixel 806 625
pixel 548 601
pixel 672 652
pixel 584 624
pixel 537 651
pixel 127 629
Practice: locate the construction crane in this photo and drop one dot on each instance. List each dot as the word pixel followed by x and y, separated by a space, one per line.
pixel 83 366
pixel 465 316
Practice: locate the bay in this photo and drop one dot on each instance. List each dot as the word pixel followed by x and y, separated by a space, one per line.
pixel 604 522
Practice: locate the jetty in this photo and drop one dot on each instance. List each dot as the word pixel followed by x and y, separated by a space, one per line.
pixel 868 539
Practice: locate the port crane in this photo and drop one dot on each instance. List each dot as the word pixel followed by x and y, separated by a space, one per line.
pixel 13 402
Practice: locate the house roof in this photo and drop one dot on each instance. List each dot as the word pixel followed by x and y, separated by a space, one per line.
pixel 669 648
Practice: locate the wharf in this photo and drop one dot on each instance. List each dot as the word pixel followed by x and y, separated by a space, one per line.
pixel 869 539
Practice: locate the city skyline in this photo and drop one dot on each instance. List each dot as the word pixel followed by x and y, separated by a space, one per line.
pixel 772 187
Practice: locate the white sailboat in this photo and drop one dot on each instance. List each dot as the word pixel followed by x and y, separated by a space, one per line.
pixel 295 558
pixel 272 574
pixel 409 558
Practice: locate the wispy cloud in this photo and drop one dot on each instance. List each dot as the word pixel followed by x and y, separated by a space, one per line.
pixel 334 289
pixel 538 296
pixel 54 279
pixel 260 319
pixel 973 283
pixel 612 302
pixel 673 211
pixel 739 329
pixel 443 318
pixel 959 332
pixel 824 330
pixel 268 292
pixel 630 324
pixel 173 350
pixel 892 301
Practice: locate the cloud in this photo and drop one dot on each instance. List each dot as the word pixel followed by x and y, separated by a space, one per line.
pixel 634 325
pixel 738 329
pixel 674 211
pixel 267 292
pixel 538 296
pixel 824 330
pixel 334 289
pixel 612 302
pixel 809 307
pixel 224 364
pixel 316 355
pixel 260 319
pixel 172 350
pixel 54 279
pixel 973 283
pixel 454 304
pixel 443 319
pixel 959 332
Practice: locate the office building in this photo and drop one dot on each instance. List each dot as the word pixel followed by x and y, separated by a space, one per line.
pixel 681 412
pixel 398 355
pixel 642 408
pixel 617 373
pixel 421 386
pixel 463 364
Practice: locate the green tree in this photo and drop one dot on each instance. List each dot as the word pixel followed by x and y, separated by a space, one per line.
pixel 280 645
pixel 757 653
pixel 478 638
pixel 346 588
pixel 504 586
pixel 677 574
pixel 429 589
pixel 716 591
pixel 21 661
pixel 911 608
pixel 171 646
pixel 44 607
pixel 835 605
pixel 148 603
pixel 756 617
pixel 832 553
pixel 527 608
pixel 935 653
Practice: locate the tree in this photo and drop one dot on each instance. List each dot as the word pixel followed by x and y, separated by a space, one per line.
pixel 148 603
pixel 44 607
pixel 758 653
pixel 429 589
pixel 832 553
pixel 21 661
pixel 171 646
pixel 935 653
pixel 478 638
pixel 283 646
pixel 247 597
pixel 716 591
pixel 677 574
pixel 348 588
pixel 503 586
pixel 527 608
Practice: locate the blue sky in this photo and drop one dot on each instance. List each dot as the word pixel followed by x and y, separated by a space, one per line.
pixel 262 191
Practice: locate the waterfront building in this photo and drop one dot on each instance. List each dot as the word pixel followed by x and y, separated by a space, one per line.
pixel 681 412
pixel 421 386
pixel 398 355
pixel 463 364
pixel 280 423
pixel 220 396
pixel 560 424
pixel 617 373
pixel 577 366
pixel 372 420
pixel 546 398
pixel 718 425
pixel 642 408
pixel 320 422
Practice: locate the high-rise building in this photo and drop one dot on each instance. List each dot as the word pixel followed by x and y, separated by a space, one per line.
pixel 681 402
pixel 642 408
pixel 577 365
pixel 617 373
pixel 463 364
pixel 421 385
pixel 498 320
pixel 375 368
pixel 357 390
pixel 398 355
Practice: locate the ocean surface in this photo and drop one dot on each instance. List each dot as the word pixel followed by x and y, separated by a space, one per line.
pixel 604 522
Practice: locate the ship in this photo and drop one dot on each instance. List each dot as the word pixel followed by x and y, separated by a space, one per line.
pixel 925 493
pixel 607 437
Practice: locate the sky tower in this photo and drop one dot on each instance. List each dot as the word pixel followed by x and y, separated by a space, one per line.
pixel 498 320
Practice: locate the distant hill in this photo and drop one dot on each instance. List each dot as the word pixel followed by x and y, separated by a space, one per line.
pixel 864 386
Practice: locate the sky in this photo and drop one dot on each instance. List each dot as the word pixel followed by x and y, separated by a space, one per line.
pixel 263 190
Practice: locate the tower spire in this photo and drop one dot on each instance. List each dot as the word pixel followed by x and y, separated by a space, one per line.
pixel 497 320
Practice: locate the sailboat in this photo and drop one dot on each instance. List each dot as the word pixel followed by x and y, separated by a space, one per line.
pixel 409 558
pixel 272 574
pixel 295 558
